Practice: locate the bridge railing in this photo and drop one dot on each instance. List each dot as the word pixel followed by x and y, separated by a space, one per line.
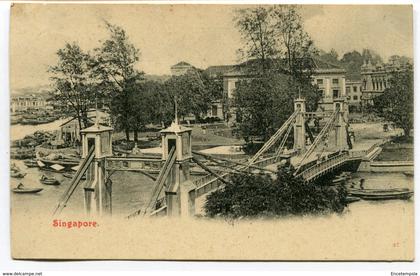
pixel 121 163
pixel 319 168
pixel 209 183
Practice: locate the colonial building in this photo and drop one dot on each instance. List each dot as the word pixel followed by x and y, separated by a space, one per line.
pixel 330 79
pixel 24 103
pixel 181 68
pixel 354 93
pixel 375 78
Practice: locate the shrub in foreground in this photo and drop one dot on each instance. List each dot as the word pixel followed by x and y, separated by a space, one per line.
pixel 249 195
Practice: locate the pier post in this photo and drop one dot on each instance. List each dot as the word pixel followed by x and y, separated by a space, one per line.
pixel 97 190
pixel 299 126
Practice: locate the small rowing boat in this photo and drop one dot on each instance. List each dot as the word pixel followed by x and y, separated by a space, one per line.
pixel 71 175
pixel 30 163
pixel 381 194
pixel 351 199
pixel 408 174
pixel 49 181
pixel 20 189
pixel 17 174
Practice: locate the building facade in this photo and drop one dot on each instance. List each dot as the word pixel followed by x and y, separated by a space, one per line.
pixel 375 79
pixel 330 79
pixel 354 94
pixel 24 103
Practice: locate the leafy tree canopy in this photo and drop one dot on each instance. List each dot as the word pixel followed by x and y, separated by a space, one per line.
pixel 250 195
pixel 396 102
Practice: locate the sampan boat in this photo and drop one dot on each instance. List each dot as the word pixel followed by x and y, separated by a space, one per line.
pixel 17 174
pixel 49 181
pixel 27 190
pixel 30 163
pixel 381 194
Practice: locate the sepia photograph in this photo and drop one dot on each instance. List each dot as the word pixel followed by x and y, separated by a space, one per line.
pixel 212 132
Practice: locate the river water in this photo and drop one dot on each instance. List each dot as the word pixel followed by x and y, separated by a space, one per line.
pixel 19 131
pixel 131 190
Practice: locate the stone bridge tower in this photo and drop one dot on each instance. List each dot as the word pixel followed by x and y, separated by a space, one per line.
pixel 179 201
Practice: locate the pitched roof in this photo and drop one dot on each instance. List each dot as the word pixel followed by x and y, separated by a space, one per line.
pixel 321 64
pixel 181 63
pixel 219 69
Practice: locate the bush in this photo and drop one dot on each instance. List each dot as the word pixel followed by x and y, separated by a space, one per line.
pixel 250 195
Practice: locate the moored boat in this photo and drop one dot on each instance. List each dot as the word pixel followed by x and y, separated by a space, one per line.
pixel 70 175
pixel 30 163
pixel 49 180
pixel 408 173
pixel 17 174
pixel 20 189
pixel 351 199
pixel 381 194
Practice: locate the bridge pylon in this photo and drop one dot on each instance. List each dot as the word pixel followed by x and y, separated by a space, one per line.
pixel 97 140
pixel 179 200
pixel 299 125
pixel 340 133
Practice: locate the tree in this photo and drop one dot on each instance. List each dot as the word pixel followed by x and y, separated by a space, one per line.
pixel 264 104
pixel 396 102
pixel 158 102
pixel 275 38
pixel 73 83
pixel 114 64
pixel 373 57
pixel 352 62
pixel 255 27
pixel 331 56
pixel 190 94
pixel 293 42
pixel 248 195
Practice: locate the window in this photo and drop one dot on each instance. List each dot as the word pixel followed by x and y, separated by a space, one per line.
pixel 347 90
pixel 322 93
pixel 335 93
pixel 335 81
pixel 214 110
pixel 355 98
pixel 354 88
pixel 320 81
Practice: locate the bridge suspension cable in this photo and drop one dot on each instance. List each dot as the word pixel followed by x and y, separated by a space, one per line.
pixel 273 139
pixel 318 139
pixel 160 181
pixel 283 142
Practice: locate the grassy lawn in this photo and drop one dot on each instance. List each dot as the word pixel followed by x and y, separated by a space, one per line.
pixel 397 151
pixel 200 137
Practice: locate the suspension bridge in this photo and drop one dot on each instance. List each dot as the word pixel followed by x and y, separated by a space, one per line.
pixel 321 145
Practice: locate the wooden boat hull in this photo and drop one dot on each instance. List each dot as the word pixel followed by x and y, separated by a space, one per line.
pixel 382 194
pixel 70 175
pixel 351 199
pixel 58 165
pixel 50 182
pixel 30 163
pixel 27 191
pixel 18 175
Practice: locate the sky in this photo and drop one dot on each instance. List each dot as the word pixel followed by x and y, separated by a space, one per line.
pixel 202 35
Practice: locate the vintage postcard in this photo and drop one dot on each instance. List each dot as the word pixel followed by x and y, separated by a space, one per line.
pixel 212 132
